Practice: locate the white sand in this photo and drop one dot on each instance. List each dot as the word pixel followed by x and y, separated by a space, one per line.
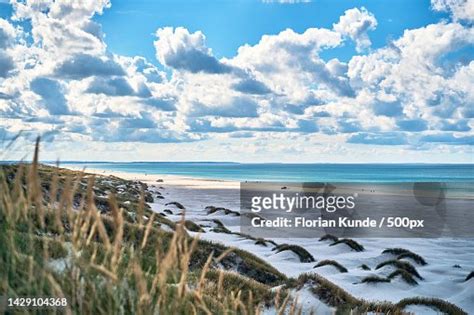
pixel 174 180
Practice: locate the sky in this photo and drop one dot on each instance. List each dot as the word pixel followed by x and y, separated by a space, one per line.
pixel 245 81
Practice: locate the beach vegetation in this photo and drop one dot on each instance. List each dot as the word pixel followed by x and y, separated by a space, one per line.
pixel 404 275
pixel 415 257
pixel 364 267
pixel 469 276
pixel 333 263
pixel 374 279
pixel 302 253
pixel 193 227
pixel 351 243
pixel 329 237
pixel 403 265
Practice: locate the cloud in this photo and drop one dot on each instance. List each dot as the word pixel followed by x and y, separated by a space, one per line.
pixel 181 50
pixel 7 39
pixel 288 61
pixel 234 107
pixel 81 66
pixel 448 138
pixel 412 125
pixel 145 121
pixel 305 125
pixel 165 104
pixel 110 86
pixel 7 34
pixel 6 64
pixel 251 86
pixel 461 125
pixel 378 138
pixel 52 95
pixel 63 27
pixel 389 109
pixel 414 91
pixel 355 23
pixel 121 133
pixel 459 9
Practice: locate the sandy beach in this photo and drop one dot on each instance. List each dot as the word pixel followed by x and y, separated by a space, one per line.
pixel 173 180
pixel 448 259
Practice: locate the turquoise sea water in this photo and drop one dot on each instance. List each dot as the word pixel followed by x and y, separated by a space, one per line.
pixel 296 172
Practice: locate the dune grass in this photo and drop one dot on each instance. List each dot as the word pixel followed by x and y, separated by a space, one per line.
pixel 364 267
pixel 395 251
pixel 351 243
pixel 114 262
pixel 329 237
pixel 404 275
pixel 415 257
pixel 403 253
pixel 176 204
pixel 469 276
pixel 403 265
pixel 437 304
pixel 374 279
pixel 193 227
pixel 212 209
pixel 220 227
pixel 302 253
pixel 346 303
pixel 333 263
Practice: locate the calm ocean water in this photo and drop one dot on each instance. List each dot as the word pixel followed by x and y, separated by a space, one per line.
pixel 296 172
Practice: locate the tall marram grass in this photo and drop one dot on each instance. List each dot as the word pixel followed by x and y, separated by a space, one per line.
pixel 53 246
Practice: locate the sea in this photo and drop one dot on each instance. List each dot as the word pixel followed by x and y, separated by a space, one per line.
pixel 282 172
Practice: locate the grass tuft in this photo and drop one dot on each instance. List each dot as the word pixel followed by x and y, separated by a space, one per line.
pixel 193 227
pixel 406 276
pixel 176 204
pixel 438 304
pixel 374 279
pixel 329 237
pixel 364 267
pixel 212 209
pixel 401 265
pixel 402 253
pixel 415 257
pixel 334 263
pixel 351 243
pixel 395 251
pixel 345 303
pixel 302 253
pixel 469 276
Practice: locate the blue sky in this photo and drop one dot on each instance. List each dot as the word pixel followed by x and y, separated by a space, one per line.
pixel 230 24
pixel 249 81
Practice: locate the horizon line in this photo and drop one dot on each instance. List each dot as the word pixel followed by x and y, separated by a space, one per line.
pixel 243 163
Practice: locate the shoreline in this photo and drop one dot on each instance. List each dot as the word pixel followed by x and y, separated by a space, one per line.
pixel 190 182
pixel 174 180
